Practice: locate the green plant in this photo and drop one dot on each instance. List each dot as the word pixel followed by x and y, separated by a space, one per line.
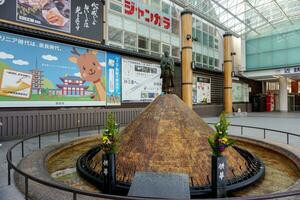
pixel 110 137
pixel 220 140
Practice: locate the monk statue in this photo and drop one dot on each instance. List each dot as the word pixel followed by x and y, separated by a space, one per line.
pixel 167 73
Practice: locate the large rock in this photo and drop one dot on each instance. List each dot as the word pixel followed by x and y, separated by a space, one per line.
pixel 170 137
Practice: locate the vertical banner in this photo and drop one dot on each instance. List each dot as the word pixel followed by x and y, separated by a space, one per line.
pixel 113 79
pixel 37 72
pixel 75 18
pixel 140 81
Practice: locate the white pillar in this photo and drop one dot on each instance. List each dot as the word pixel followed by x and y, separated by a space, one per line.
pixel 283 94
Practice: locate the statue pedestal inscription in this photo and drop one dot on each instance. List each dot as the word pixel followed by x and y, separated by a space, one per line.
pixel 160 185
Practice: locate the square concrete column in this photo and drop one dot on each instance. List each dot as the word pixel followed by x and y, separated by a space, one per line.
pixel 283 94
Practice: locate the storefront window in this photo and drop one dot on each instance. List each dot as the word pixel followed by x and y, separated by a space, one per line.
pixel 205 27
pixel 115 35
pixel 130 39
pixel 175 51
pixel 165 8
pixel 199 35
pixel 175 26
pixel 115 7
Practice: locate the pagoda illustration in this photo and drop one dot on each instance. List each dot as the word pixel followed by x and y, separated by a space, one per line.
pixel 72 86
pixel 37 79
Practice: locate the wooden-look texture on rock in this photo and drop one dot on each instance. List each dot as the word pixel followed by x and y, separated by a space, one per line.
pixel 168 136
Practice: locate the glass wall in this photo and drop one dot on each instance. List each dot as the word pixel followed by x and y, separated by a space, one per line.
pixel 273 51
pixel 153 26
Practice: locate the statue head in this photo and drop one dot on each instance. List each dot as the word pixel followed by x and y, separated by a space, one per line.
pixel 166 53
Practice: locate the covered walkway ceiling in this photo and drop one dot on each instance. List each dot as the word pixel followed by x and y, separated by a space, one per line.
pixel 242 17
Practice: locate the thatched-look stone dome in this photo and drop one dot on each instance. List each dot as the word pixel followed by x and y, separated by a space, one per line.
pixel 170 137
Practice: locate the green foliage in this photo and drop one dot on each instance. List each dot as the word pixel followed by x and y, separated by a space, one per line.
pixel 110 138
pixel 220 140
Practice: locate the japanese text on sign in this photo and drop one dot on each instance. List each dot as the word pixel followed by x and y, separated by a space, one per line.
pixel 85 13
pixel 148 16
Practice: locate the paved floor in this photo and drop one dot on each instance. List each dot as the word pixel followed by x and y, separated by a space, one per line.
pixel 289 122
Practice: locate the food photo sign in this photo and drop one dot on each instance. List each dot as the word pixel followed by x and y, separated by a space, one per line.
pixel 73 18
pixel 55 74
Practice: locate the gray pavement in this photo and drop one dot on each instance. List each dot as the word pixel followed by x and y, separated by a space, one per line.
pixel 281 121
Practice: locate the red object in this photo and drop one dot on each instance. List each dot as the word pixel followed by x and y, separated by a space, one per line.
pixel 269 102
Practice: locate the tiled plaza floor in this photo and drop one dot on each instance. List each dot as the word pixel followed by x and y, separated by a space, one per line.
pixel 289 122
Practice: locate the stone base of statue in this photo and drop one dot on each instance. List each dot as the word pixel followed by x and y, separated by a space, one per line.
pixel 109 172
pixel 218 176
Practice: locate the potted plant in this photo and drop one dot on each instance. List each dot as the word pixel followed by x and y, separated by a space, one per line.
pixel 219 142
pixel 109 143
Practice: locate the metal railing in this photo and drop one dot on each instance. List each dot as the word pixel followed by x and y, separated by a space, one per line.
pixel 76 192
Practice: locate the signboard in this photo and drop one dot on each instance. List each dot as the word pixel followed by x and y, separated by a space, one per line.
pixel 113 81
pixel 147 14
pixel 201 90
pixel 74 18
pixel 240 92
pixel 140 81
pixel 54 74
pixel 292 70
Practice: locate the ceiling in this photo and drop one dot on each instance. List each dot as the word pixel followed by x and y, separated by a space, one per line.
pixel 243 17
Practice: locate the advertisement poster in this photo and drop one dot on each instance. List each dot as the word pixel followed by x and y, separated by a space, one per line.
pixel 140 81
pixel 113 81
pixel 201 90
pixel 52 74
pixel 75 18
pixel 240 92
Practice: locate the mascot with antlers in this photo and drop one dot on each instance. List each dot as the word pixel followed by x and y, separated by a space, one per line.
pixel 90 69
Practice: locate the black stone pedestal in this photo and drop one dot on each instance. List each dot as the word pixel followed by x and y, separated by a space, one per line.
pixel 109 172
pixel 218 176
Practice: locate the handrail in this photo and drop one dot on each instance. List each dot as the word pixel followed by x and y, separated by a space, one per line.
pixel 76 192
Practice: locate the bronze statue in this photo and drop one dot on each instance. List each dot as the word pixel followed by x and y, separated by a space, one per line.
pixel 167 73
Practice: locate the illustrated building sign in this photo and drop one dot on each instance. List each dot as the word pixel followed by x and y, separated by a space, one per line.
pixel 72 86
pixel 147 15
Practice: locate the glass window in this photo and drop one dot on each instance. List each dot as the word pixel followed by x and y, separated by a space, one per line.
pixel 194 32
pixel 205 27
pixel 216 43
pixel 198 57
pixel 194 56
pixel 143 42
pixel 165 8
pixel 205 39
pixel 155 46
pixel 211 30
pixel 205 59
pixel 175 51
pixel 165 47
pixel 175 12
pixel 115 7
pixel 216 63
pixel 198 35
pixel 115 35
pixel 156 4
pixel 198 24
pixel 175 26
pixel 211 62
pixel 211 41
pixel 130 39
